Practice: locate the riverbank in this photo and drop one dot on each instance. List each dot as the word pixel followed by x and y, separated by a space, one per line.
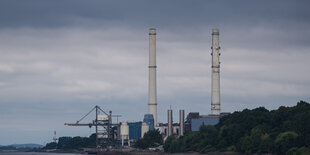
pixel 164 153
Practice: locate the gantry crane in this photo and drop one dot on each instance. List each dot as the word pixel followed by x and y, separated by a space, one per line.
pixel 105 136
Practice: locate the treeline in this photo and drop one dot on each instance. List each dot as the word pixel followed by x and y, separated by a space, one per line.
pixel 66 143
pixel 282 131
pixel 22 149
pixel 7 148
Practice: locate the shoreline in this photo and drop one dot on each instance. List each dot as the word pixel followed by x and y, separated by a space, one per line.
pixel 123 152
pixel 165 153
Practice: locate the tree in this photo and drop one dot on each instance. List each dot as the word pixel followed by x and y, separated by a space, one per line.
pixel 77 143
pixel 168 143
pixel 266 144
pixel 52 145
pixel 151 138
pixel 285 141
pixel 142 143
pixel 252 131
pixel 62 142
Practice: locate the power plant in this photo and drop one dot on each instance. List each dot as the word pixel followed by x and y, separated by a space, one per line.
pixel 128 132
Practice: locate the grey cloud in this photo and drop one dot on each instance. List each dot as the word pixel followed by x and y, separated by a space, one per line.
pixel 37 13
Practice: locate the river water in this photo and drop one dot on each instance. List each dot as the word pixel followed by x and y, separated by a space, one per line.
pixel 34 153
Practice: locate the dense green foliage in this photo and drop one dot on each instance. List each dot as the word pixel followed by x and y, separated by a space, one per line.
pixel 152 138
pixel 285 130
pixel 72 143
pixel 51 145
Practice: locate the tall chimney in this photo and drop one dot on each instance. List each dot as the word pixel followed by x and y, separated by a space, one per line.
pixel 170 119
pixel 181 133
pixel 215 103
pixel 152 75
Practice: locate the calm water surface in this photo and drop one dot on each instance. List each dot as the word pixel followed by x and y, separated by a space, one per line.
pixel 34 153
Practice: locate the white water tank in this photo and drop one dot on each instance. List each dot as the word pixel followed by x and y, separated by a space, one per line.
pixel 124 129
pixel 125 133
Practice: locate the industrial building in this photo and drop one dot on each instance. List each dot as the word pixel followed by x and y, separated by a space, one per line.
pixel 190 116
pixel 149 119
pixel 134 130
pixel 207 120
pixel 194 120
pixel 163 129
pixel 170 128
pixel 130 131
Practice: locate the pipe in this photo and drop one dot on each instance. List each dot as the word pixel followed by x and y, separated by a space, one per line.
pixel 181 131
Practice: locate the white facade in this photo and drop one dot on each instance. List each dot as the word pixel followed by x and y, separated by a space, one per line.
pixel 144 129
pixel 215 101
pixel 152 75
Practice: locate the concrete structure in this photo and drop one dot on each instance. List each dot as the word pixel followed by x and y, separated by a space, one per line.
pixel 149 119
pixel 176 129
pixel 206 120
pixel 182 126
pixel 215 103
pixel 160 128
pixel 144 129
pixel 163 129
pixel 152 75
pixel 125 133
pixel 170 121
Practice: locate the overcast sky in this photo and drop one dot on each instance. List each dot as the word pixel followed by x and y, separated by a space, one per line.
pixel 61 58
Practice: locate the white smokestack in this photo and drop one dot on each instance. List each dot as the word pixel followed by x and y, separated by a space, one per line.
pixel 152 76
pixel 215 103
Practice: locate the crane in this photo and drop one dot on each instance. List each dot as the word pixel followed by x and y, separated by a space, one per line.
pixel 106 134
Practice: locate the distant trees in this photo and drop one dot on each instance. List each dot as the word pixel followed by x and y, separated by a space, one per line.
pixel 285 130
pixel 52 145
pixel 62 141
pixel 73 143
pixel 7 148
